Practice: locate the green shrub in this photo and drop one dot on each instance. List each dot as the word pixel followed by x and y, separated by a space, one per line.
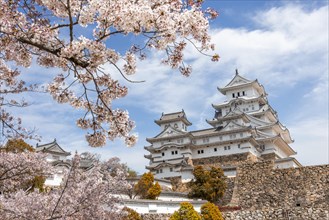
pixel 132 214
pixel 210 211
pixel 185 212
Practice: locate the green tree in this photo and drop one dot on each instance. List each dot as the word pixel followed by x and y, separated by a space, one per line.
pixel 17 146
pixel 207 184
pixel 185 212
pixel 154 191
pixel 209 211
pixel 145 187
pixel 131 214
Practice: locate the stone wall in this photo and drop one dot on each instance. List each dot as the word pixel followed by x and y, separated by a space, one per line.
pixel 228 160
pixel 259 186
pixel 229 192
pixel 157 216
pixel 270 156
pixel 297 213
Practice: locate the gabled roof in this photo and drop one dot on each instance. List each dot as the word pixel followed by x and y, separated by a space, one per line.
pixel 239 82
pixel 232 126
pixel 52 147
pixel 169 132
pixel 172 117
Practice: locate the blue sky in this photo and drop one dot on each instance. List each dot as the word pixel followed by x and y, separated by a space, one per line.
pixel 284 44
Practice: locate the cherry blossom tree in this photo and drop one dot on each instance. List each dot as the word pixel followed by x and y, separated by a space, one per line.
pixel 19 169
pixel 84 194
pixel 75 37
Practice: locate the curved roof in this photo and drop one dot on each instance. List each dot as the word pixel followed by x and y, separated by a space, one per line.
pixel 260 98
pixel 53 148
pixel 172 117
pixel 240 82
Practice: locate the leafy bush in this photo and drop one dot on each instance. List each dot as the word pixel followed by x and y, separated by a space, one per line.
pixel 185 212
pixel 207 184
pixel 210 211
pixel 131 214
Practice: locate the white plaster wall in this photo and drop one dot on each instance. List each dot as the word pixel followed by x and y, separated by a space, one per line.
pixel 56 180
pixel 148 206
pixel 285 164
pixel 231 173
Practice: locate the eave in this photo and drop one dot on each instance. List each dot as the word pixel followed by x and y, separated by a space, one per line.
pixel 260 98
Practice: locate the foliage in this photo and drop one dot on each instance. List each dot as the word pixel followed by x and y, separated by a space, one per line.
pixel 18 146
pixel 145 188
pixel 186 211
pixel 82 195
pixel 131 214
pixel 209 211
pixel 207 184
pixel 76 38
pixel 154 191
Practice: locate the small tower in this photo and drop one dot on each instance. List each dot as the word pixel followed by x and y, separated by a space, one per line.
pixel 176 120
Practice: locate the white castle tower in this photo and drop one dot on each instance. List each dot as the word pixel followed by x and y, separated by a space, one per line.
pixel 244 128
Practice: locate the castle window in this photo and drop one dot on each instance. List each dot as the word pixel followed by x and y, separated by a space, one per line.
pixel 200 151
pixel 160 170
pixel 163 153
pixel 228 147
pixel 239 145
pixel 157 171
pixel 238 93
pixel 55 157
pixel 176 152
pixel 172 152
pixel 233 95
pixel 171 169
pixel 205 140
pixel 215 149
pixel 225 148
pixel 180 141
pixel 243 93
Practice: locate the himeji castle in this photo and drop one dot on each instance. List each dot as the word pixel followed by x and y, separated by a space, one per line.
pixel 245 128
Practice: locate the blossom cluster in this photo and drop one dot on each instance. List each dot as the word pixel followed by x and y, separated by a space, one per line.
pixel 84 194
pixel 76 37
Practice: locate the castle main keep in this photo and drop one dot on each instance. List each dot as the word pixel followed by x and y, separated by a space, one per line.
pixel 245 128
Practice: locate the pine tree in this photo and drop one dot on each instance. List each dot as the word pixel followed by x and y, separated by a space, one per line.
pixel 185 212
pixel 210 211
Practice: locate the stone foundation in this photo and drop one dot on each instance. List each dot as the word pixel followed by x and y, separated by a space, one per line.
pixel 229 192
pixel 259 186
pixel 158 216
pixel 270 156
pixel 296 213
pixel 228 160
